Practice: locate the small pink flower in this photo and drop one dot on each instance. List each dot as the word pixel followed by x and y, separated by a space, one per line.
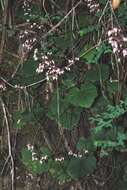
pixel 124 52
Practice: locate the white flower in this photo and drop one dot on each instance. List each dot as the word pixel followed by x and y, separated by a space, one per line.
pixel 124 39
pixel 75 155
pixel 79 155
pixel 70 152
pixel 59 159
pixel 124 52
pixel 76 58
pixel 30 147
pixel 115 30
pixel 86 151
pixel 44 157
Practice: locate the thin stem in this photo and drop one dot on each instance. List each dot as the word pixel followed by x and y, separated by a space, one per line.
pixel 10 154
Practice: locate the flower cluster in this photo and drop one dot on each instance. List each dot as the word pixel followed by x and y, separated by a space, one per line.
pixel 117 41
pixel 28 36
pixel 70 153
pixel 56 158
pixel 18 86
pixel 27 9
pixel 27 41
pixel 92 5
pixel 31 149
pixel 35 57
pixel 43 158
pixel 34 154
pixel 47 65
pixel 59 159
pixel 76 155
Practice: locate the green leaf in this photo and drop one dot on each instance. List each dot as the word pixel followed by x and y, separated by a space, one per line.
pixel 89 55
pixel 38 168
pixel 73 96
pixel 68 83
pixel 84 144
pixel 63 113
pixel 58 171
pixel 87 30
pixel 80 167
pixel 57 107
pixel 45 151
pixel 28 117
pixel 97 73
pixel 93 54
pixel 100 104
pixel 121 137
pixel 70 118
pixel 26 155
pixel 83 97
pixel 33 165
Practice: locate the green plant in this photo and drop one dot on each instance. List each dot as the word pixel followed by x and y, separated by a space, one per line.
pixel 107 133
pixel 63 62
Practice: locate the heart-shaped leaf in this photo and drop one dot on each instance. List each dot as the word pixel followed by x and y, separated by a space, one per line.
pixel 78 168
pixel 83 97
pixel 66 115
